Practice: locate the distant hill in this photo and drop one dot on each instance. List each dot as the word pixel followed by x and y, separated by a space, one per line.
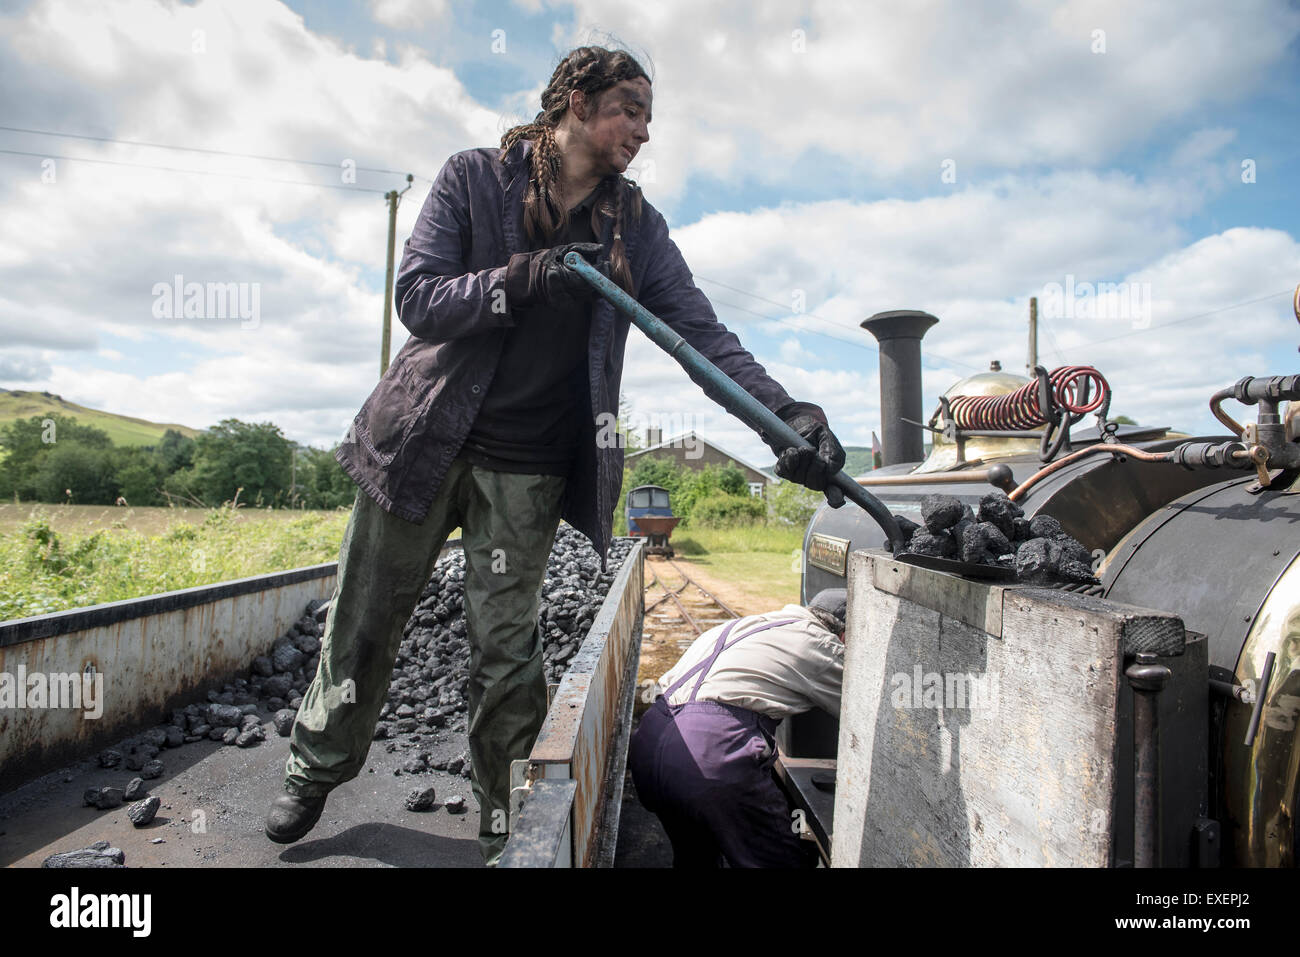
pixel 122 429
pixel 857 459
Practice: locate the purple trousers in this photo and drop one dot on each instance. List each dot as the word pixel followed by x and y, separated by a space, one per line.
pixel 706 770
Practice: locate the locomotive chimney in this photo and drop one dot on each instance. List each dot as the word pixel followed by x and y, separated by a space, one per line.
pixel 899 334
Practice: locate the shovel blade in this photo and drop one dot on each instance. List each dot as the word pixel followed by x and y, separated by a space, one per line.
pixel 997 573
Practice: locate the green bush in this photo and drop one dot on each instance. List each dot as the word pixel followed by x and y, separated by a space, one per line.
pixel 792 504
pixel 322 483
pixel 139 477
pixel 720 510
pixel 234 458
pixel 28 445
pixel 655 471
pixel 74 472
pixel 723 487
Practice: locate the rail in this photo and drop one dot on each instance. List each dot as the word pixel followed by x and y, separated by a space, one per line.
pixel 673 594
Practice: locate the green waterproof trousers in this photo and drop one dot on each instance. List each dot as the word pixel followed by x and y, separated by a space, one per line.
pixel 508 523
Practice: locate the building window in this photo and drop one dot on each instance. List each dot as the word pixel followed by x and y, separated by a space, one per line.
pixel 756 488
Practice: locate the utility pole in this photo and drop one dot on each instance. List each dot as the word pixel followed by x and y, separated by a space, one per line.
pixel 393 197
pixel 1033 334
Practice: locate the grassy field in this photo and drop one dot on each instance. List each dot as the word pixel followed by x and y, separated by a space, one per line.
pixel 762 560
pixel 66 519
pixel 122 429
pixel 55 557
pixel 74 560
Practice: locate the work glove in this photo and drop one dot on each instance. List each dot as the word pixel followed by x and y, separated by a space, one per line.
pixel 811 467
pixel 540 277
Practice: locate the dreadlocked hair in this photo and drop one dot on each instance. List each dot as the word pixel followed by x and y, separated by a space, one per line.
pixel 593 70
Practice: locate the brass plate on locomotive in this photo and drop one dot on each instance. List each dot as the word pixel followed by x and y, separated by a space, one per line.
pixel 829 553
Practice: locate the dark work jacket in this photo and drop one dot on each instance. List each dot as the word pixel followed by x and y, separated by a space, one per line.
pixel 450 295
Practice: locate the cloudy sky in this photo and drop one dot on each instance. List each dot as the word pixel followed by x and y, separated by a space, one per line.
pixel 817 163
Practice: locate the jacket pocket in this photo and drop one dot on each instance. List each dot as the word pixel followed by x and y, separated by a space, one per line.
pixel 386 420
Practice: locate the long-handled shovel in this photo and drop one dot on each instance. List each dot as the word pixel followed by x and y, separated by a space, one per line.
pixel 735 399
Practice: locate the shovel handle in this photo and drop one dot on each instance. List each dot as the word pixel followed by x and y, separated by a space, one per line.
pixel 734 399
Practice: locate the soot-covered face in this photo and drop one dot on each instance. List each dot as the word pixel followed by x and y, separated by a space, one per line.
pixel 619 126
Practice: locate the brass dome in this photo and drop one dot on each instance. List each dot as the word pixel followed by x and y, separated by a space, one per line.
pixel 943 454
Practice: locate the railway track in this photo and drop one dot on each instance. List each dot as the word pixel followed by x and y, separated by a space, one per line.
pixel 678 609
pixel 677 593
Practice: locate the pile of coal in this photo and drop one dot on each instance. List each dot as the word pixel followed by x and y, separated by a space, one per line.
pixel 998 534
pixel 427 691
pixel 431 676
pixel 276 683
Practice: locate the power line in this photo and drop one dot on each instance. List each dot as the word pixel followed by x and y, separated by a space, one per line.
pixel 1055 345
pixel 861 345
pixel 816 332
pixel 1175 322
pixel 199 149
pixel 773 302
pixel 869 346
pixel 197 172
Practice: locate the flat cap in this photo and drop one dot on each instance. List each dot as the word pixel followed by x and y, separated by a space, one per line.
pixel 833 602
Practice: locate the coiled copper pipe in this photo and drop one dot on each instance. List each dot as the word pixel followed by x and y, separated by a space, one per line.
pixel 1020 410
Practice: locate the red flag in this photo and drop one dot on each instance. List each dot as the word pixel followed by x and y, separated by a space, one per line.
pixel 877 456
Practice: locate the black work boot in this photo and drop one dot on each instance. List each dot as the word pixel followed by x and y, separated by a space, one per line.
pixel 291 817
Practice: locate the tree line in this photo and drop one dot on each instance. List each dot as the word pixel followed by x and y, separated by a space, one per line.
pixel 56 459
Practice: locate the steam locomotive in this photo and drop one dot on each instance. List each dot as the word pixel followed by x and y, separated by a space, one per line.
pixel 1204 527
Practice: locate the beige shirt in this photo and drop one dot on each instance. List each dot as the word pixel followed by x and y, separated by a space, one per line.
pixel 779 672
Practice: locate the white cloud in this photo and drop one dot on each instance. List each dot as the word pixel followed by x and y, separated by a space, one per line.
pixel 973 259
pixel 408 14
pixel 793 351
pixel 264 84
pixel 80 256
pixel 21 366
pixel 888 94
pixel 895 91
pixel 1201 146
